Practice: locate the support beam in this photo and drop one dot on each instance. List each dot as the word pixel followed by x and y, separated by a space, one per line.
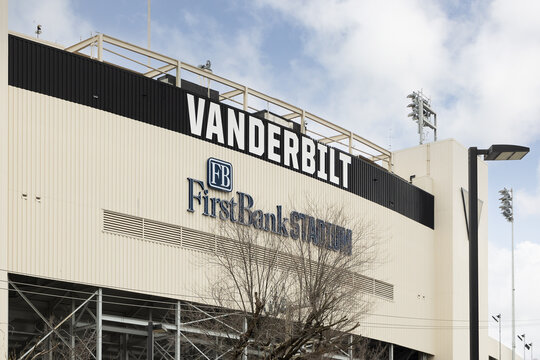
pixel 72 325
pixel 49 325
pixel 161 70
pixel 391 352
pixel 246 98
pixel 150 341
pixel 99 324
pixel 183 328
pixel 177 349
pixel 291 116
pixel 331 139
pixel 100 47
pixel 4 300
pixel 81 45
pixel 55 328
pixel 230 94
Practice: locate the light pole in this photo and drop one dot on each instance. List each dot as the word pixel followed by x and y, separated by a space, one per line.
pixel 507 210
pixel 522 338
pixel 497 318
pixel 495 152
pixel 529 346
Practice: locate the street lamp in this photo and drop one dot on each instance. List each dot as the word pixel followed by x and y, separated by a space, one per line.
pixel 497 318
pixel 529 347
pixel 522 338
pixel 495 152
pixel 507 210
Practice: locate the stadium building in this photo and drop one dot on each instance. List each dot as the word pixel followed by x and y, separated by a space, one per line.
pixel 110 187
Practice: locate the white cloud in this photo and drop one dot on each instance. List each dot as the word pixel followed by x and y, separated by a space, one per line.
pixel 481 70
pixel 60 23
pixel 527 201
pixel 527 266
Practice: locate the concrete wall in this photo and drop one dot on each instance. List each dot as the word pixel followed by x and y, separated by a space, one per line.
pixel 441 168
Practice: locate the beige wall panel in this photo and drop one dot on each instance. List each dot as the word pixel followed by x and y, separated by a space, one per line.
pixel 80 160
pixel 446 162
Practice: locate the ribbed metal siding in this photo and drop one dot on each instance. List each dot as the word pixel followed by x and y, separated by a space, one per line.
pixel 146 229
pixel 81 160
pixel 71 77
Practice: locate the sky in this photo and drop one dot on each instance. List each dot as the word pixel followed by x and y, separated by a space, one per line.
pixel 353 62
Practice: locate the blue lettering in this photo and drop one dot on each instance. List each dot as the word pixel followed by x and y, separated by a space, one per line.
pixel 295 227
pixel 190 193
pixel 224 212
pixel 243 208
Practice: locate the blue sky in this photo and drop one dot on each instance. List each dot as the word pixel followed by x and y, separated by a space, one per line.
pixel 354 62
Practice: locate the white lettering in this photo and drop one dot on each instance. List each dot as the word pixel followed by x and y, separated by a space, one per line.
pixel 235 129
pixel 215 125
pixel 290 149
pixel 345 162
pixel 322 161
pixel 195 122
pixel 215 171
pixel 256 125
pixel 308 155
pixel 333 178
pixel 273 143
pixel 225 178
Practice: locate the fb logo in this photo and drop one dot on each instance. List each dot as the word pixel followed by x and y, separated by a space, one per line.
pixel 219 174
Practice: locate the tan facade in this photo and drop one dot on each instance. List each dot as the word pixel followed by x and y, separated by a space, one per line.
pixel 68 163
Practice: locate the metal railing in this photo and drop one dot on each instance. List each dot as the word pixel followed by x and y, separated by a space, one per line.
pixel 239 94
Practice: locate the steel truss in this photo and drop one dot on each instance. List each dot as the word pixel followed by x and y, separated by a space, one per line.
pixel 70 321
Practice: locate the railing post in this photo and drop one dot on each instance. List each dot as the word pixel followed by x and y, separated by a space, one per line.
pixel 303 122
pixel 178 79
pixel 245 98
pixel 100 47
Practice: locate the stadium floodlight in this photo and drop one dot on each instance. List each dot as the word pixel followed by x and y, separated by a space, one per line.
pixel 495 152
pixel 422 114
pixel 207 66
pixel 507 207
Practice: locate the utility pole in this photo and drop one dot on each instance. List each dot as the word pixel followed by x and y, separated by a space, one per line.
pixel 497 318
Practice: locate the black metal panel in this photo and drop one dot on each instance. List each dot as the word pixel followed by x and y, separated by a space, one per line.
pixel 50 71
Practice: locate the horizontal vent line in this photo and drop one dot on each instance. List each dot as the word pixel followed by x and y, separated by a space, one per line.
pixel 191 239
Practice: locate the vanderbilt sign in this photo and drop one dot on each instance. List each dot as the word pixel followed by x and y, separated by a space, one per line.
pixel 240 209
pixel 267 140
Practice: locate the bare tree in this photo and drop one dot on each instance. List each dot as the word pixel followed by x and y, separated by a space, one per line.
pixel 296 291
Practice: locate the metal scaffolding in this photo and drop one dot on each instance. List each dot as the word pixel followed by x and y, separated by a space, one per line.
pixel 59 320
